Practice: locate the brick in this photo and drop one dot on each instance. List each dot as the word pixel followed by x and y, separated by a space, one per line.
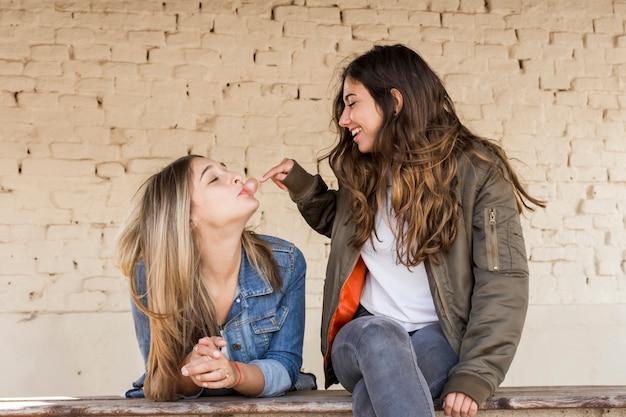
pixel 94 85
pixel 273 58
pixel 598 40
pixel 57 167
pixel 290 13
pixel 16 83
pixel 608 192
pixel 87 267
pixel 505 6
pixel 49 53
pixel 83 69
pixel 84 301
pixel 74 35
pixel 458 20
pixel 27 99
pixel 603 101
pixel 610 25
pixel 548 254
pixel 229 25
pixel 570 39
pixel 603 207
pixel 616 56
pixel 42 68
pixel 182 40
pixel 13 68
pixel 129 53
pixel 554 82
pixel 609 268
pixel 612 134
pixel 539 36
pixel 326 15
pixel 445 5
pixel 393 17
pixel 500 36
pixel 299 28
pixel 92 52
pixel 577 223
pixel 612 160
pixel 472 6
pixel 424 19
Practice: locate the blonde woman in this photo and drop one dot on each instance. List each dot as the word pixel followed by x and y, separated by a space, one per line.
pixel 217 308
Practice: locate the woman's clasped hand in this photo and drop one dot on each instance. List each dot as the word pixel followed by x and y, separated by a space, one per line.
pixel 208 367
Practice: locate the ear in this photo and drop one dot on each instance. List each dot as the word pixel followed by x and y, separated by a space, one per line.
pixel 399 100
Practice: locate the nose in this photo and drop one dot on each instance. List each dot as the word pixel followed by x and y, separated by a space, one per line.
pixel 344 119
pixel 237 178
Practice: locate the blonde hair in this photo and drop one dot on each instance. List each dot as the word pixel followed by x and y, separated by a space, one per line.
pixel 158 231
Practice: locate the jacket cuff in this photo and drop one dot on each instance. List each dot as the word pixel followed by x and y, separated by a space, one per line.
pixel 275 375
pixel 476 388
pixel 298 181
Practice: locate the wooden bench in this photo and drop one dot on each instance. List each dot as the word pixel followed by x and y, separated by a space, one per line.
pixel 576 399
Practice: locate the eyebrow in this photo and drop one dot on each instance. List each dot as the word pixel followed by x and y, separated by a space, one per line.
pixel 209 167
pixel 347 96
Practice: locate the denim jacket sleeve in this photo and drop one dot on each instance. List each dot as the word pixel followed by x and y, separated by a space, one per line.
pixel 141 321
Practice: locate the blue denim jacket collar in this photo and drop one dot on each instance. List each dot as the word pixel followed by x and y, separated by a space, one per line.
pixel 249 283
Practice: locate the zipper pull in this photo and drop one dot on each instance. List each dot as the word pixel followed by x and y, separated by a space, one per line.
pixel 492 216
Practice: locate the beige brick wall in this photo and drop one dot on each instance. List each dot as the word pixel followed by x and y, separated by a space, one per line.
pixel 97 95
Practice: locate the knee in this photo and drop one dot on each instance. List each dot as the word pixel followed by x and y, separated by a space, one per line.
pixel 377 334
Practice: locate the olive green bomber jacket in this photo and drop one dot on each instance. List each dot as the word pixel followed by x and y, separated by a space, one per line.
pixel 479 287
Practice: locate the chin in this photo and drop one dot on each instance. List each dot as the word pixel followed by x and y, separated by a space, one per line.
pixel 254 206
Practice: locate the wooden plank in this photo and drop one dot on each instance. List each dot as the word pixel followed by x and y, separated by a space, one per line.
pixel 524 398
pixel 331 401
pixel 301 402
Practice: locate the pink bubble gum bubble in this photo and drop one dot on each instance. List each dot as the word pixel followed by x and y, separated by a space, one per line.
pixel 251 186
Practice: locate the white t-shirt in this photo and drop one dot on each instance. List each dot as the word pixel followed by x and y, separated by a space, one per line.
pixel 391 289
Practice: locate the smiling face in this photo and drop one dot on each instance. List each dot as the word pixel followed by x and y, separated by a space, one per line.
pixel 220 197
pixel 361 115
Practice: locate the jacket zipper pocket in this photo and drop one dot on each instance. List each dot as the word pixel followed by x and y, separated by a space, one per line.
pixel 491 237
pixel 444 305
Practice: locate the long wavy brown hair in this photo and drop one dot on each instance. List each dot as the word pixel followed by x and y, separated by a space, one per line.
pixel 418 148
pixel 158 231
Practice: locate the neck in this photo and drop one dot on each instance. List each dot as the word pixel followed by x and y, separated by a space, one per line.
pixel 220 262
pixel 220 259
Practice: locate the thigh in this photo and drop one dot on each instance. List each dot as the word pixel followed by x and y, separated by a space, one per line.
pixel 434 356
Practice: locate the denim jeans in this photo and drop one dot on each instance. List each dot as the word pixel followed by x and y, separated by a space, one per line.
pixel 390 372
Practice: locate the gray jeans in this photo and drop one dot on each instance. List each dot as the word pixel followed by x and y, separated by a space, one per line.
pixel 390 372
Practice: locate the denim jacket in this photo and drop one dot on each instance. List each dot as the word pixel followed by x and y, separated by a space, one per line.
pixel 264 327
